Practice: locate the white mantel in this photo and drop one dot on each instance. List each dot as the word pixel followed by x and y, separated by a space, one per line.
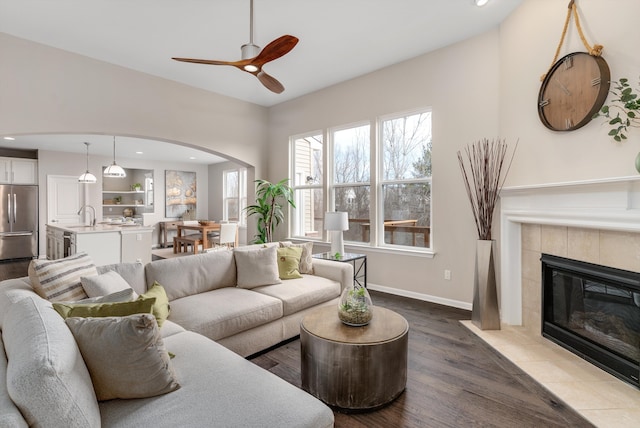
pixel 608 204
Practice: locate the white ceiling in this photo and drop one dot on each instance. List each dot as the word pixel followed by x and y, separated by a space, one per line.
pixel 339 39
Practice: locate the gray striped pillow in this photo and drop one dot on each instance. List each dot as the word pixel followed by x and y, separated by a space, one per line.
pixel 59 280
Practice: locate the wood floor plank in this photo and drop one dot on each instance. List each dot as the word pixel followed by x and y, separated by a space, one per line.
pixel 454 378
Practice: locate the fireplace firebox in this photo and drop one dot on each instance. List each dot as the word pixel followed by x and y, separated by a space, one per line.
pixel 594 312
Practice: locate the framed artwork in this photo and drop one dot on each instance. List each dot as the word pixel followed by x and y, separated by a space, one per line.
pixel 180 192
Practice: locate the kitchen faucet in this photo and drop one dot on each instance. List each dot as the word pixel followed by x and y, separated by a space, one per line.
pixel 92 222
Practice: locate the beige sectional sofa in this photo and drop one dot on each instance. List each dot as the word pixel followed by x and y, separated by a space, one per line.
pixel 213 323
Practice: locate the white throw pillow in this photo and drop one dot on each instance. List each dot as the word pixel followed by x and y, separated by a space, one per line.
pixel 257 267
pixel 126 295
pixel 126 356
pixel 105 284
pixel 59 280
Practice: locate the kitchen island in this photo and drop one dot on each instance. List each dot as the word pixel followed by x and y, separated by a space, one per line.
pixel 105 243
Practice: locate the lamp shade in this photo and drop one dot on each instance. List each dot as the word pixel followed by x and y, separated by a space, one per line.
pixel 114 171
pixel 337 220
pixel 87 177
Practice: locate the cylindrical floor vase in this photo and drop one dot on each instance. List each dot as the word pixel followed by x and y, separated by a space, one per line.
pixel 485 313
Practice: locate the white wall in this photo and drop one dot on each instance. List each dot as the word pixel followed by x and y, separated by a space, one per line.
pixel 528 39
pixel 461 84
pixel 47 90
pixel 483 87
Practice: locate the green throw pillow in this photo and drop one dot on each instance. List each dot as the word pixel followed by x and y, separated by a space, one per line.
pixel 161 306
pixel 119 309
pixel 288 261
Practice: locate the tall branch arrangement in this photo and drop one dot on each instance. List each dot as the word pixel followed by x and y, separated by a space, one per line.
pixel 483 179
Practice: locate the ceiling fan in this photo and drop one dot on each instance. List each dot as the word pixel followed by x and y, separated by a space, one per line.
pixel 253 59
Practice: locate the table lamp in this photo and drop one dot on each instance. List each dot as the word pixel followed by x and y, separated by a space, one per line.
pixel 336 222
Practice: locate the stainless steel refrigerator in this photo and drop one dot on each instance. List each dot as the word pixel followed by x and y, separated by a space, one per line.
pixel 19 221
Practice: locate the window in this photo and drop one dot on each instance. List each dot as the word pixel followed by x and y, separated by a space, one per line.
pixel 234 195
pixel 307 184
pixel 381 179
pixel 351 187
pixel 405 185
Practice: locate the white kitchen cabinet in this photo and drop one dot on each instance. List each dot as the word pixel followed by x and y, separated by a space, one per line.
pixel 136 246
pixel 18 171
pixel 55 243
pixel 105 244
pixel 103 247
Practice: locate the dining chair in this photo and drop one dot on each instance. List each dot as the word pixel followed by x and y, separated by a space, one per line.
pixel 228 235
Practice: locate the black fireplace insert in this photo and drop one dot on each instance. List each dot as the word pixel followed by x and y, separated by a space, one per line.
pixel 593 311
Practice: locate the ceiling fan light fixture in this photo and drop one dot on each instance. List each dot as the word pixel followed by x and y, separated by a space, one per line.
pixel 250 68
pixel 114 170
pixel 481 3
pixel 87 177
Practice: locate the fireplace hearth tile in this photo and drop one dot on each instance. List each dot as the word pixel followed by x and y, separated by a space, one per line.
pixel 598 396
pixel 612 418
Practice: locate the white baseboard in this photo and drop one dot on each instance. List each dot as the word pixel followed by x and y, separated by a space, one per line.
pixel 420 296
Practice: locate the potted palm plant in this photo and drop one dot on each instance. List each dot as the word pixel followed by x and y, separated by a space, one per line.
pixel 270 198
pixel 483 179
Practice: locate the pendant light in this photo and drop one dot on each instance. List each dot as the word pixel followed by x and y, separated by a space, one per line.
pixel 87 177
pixel 113 170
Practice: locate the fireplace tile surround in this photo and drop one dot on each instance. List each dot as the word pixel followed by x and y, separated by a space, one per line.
pixel 594 221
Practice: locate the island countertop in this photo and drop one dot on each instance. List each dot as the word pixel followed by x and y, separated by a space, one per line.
pixel 99 228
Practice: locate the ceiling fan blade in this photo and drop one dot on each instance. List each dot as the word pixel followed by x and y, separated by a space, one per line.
pixel 274 50
pixel 207 61
pixel 270 82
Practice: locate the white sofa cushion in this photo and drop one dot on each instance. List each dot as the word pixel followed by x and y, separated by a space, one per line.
pixel 46 375
pixel 224 312
pixel 11 291
pixel 59 280
pixel 299 294
pixel 126 356
pixel 221 389
pixel 10 416
pixel 186 276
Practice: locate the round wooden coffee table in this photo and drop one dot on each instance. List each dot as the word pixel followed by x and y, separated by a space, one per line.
pixel 354 368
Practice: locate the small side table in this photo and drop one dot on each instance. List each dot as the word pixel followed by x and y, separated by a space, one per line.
pixel 359 262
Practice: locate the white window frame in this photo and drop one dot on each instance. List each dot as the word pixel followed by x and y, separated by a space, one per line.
pixel 375 183
pixel 241 197
pixel 297 214
pixel 381 182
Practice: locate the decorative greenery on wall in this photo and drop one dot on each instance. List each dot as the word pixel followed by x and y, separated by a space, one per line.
pixel 622 112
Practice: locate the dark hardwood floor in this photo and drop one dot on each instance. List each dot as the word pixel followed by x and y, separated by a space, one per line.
pixel 454 378
pixel 13 268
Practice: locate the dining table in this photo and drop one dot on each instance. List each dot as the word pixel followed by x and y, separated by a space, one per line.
pixel 204 230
